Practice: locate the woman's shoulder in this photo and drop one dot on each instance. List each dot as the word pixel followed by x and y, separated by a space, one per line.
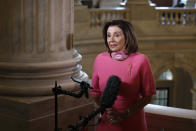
pixel 139 56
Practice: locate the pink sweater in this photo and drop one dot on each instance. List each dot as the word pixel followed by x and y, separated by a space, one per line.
pixel 137 81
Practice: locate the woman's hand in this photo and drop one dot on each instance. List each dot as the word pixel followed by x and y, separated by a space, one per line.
pixel 114 117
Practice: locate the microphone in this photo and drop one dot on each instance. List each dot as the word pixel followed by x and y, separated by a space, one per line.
pixel 110 92
pixel 106 101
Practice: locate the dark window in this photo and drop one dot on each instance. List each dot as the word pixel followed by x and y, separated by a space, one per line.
pixel 162 97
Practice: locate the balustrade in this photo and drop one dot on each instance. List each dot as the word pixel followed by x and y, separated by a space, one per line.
pixel 163 118
pixel 99 16
pixel 176 16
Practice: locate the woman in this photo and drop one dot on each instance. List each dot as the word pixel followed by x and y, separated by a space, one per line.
pixel 133 68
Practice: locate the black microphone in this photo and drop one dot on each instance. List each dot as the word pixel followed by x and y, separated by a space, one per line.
pixel 106 101
pixel 110 92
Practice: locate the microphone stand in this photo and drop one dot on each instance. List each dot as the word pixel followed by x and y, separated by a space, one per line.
pixel 84 120
pixel 58 90
pixel 56 107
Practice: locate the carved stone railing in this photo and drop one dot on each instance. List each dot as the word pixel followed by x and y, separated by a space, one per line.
pixel 162 118
pixel 99 16
pixel 176 16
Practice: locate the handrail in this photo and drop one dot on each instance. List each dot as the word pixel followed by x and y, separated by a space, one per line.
pixel 163 118
pixel 99 16
pixel 176 16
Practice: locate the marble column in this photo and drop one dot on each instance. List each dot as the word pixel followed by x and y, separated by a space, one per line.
pixel 110 3
pixel 36 47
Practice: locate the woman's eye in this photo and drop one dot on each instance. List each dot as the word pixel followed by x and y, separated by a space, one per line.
pixel 117 35
pixel 108 35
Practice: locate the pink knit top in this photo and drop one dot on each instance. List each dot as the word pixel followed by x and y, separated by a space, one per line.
pixel 137 81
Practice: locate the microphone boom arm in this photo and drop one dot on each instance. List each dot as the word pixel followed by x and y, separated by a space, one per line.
pixel 83 85
pixel 84 120
pixel 58 90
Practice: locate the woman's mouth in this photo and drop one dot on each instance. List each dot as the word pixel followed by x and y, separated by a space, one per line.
pixel 113 45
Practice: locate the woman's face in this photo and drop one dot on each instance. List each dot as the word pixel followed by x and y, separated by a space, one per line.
pixel 115 38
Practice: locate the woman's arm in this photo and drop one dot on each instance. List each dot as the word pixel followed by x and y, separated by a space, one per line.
pixel 115 117
pixel 138 105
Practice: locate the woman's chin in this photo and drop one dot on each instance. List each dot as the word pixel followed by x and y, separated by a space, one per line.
pixel 114 50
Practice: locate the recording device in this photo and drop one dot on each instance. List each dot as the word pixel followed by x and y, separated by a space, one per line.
pixel 106 101
pixel 110 92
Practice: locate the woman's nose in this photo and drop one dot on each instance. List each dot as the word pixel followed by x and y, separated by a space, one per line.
pixel 111 38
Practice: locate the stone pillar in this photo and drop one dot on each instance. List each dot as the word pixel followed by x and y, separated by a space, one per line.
pixel 36 49
pixel 36 46
pixel 110 3
pixel 140 10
